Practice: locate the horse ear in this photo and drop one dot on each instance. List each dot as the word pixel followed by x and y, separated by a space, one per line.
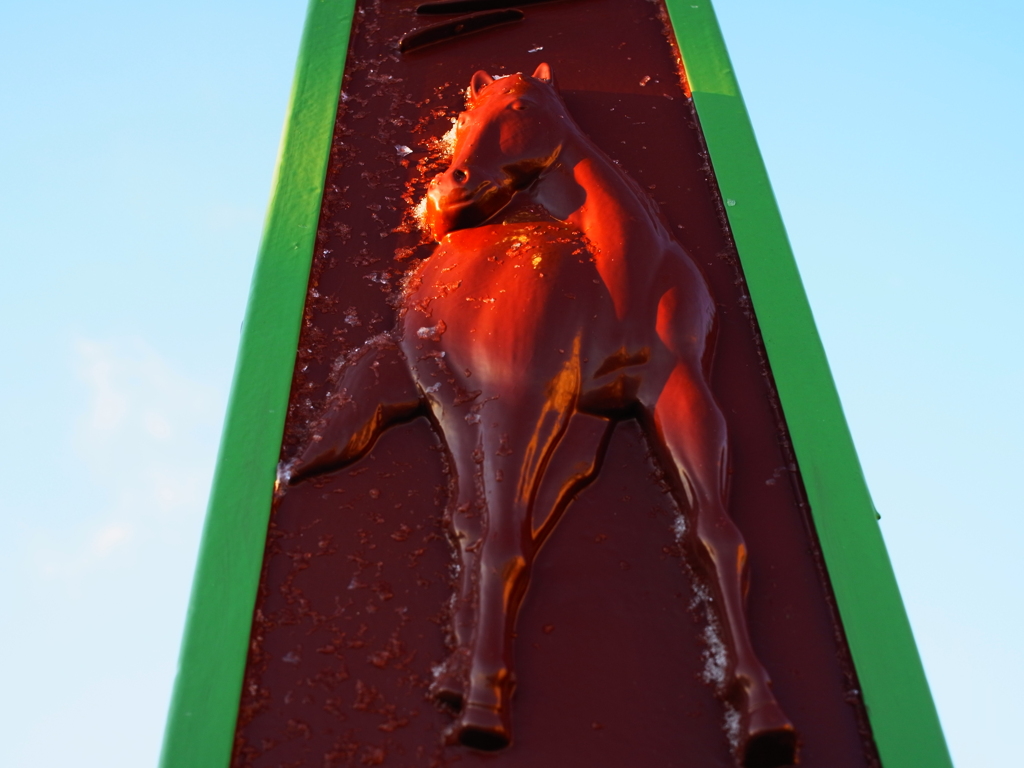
pixel 543 72
pixel 478 82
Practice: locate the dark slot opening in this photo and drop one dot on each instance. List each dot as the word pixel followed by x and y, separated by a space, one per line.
pixel 464 25
pixel 470 6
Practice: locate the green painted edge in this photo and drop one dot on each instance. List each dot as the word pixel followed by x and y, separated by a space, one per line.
pixel 903 718
pixel 204 707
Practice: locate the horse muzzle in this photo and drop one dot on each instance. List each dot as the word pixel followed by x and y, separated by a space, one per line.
pixel 457 199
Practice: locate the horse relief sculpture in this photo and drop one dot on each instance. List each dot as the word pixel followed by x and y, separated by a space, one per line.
pixel 555 304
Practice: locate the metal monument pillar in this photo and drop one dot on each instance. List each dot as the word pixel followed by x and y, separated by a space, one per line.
pixel 533 456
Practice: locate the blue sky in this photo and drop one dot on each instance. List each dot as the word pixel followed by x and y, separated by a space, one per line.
pixel 136 153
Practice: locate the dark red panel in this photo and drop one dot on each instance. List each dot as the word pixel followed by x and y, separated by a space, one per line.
pixel 610 649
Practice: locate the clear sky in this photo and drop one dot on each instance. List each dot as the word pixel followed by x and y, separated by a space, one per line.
pixel 137 143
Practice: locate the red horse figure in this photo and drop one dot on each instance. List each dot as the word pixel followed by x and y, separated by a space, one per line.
pixel 556 304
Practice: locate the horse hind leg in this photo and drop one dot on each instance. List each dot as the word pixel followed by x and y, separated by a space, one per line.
pixel 687 428
pixel 573 466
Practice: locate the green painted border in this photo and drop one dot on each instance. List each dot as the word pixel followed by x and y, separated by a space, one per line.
pixel 900 707
pixel 204 708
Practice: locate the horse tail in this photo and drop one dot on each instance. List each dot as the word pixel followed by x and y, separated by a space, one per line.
pixel 375 391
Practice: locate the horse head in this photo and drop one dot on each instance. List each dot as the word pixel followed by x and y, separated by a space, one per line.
pixel 511 131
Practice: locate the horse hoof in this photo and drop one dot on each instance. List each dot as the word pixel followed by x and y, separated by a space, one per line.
pixel 771 740
pixel 482 728
pixel 448 693
pixel 449 685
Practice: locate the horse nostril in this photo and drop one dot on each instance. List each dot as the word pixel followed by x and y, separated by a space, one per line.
pixel 459 175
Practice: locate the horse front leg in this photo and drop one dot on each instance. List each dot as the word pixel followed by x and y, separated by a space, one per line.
pixel 514 471
pixel 504 561
pixel 465 520
pixel 375 390
pixel 688 429
pixel 524 500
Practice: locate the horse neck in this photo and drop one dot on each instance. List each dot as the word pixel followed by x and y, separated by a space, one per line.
pixel 610 206
pixel 615 214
